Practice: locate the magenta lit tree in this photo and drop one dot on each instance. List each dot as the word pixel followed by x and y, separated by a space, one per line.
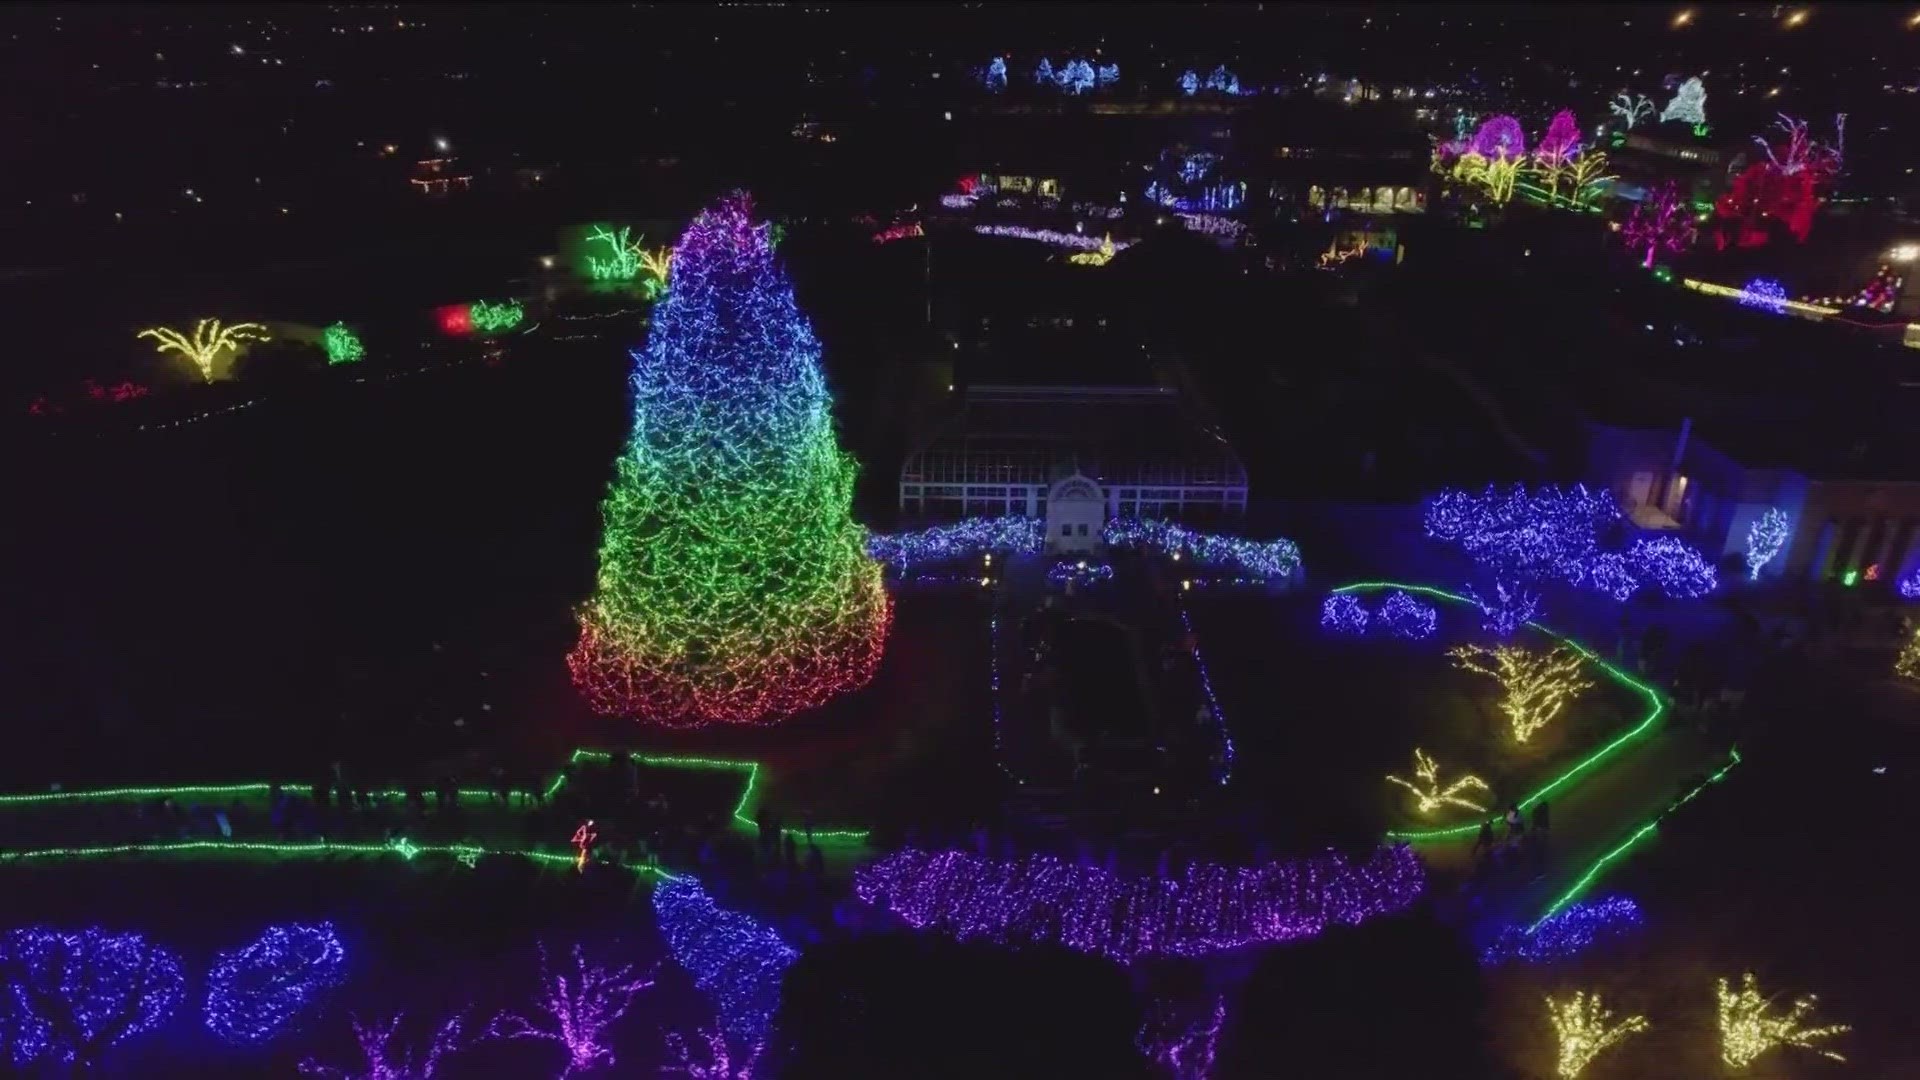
pixel 1561 143
pixel 579 1008
pixel 1662 222
pixel 385 1058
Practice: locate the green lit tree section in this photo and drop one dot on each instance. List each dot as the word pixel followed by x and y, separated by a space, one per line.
pixel 734 584
pixel 342 344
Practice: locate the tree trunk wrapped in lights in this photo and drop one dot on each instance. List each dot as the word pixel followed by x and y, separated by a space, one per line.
pixel 734 584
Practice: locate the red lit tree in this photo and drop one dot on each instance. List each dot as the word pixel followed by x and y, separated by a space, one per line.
pixel 1784 188
pixel 1662 221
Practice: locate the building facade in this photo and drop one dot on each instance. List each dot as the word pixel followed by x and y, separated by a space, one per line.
pixel 1075 456
pixel 1846 530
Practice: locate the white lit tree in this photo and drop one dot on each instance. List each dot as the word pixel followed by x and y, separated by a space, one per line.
pixel 1632 108
pixel 1689 104
pixel 1765 537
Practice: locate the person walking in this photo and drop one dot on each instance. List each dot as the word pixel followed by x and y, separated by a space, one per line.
pixel 1485 840
pixel 1542 819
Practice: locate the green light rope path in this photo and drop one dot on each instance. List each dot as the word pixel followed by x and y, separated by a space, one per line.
pixel 407 850
pixel 1657 705
pixel 1586 880
pixel 741 814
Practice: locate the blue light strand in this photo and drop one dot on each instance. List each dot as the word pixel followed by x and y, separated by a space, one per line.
pixel 736 960
pixel 1014 534
pixel 1078 572
pixel 1269 559
pixel 254 994
pixel 1568 932
pixel 70 994
pixel 1403 616
pixel 1343 613
pixel 1224 772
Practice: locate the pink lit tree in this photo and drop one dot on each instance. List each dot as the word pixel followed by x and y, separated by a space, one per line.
pixel 719 1064
pixel 1186 1054
pixel 1662 221
pixel 579 1008
pixel 385 1060
pixel 1561 143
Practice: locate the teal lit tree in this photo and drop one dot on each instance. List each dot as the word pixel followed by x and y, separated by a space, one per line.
pixel 734 584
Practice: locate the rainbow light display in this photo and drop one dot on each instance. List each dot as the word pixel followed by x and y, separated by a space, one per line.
pixel 1568 932
pixel 734 584
pixel 1070 241
pixel 735 959
pixel 1262 558
pixel 70 994
pixel 254 994
pixel 1207 909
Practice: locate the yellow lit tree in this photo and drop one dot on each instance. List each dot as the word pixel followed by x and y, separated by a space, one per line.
pixel 209 340
pixel 1746 1031
pixel 1585 1028
pixel 1585 176
pixel 1907 665
pixel 1538 684
pixel 1426 786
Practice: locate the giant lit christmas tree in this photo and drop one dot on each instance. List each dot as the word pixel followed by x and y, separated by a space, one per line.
pixel 734 585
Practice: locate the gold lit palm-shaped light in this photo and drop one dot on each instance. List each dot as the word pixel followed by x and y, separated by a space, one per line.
pixel 209 340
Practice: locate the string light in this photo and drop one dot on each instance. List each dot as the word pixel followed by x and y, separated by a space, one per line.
pixel 1568 932
pixel 209 340
pixel 1188 1053
pixel 1269 559
pixel 1632 108
pixel 1100 256
pixel 70 994
pixel 1507 611
pixel 579 1008
pixel 734 586
pixel 1679 568
pixel 1544 534
pixel 487 316
pixel 1662 221
pixel 1403 616
pixel 968 539
pixel 904 231
pixel 734 959
pixel 1079 573
pixel 1585 1028
pixel 1689 104
pixel 1428 793
pixel 1765 537
pixel 1537 684
pixel 1907 664
pixel 1223 770
pixel 1798 307
pixel 583 838
pixel 255 993
pixel 386 1061
pixel 720 1058
pixel 1746 1031
pixel 1343 614
pixel 1207 909
pixel 342 344
pixel 1656 706
pixel 1071 241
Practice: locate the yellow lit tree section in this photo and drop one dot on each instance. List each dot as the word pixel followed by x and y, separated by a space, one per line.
pixel 1907 665
pixel 209 340
pixel 1746 1031
pixel 1585 1028
pixel 1538 684
pixel 1426 786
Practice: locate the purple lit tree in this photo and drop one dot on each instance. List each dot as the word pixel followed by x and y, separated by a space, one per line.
pixel 1184 1053
pixel 1499 137
pixel 1662 222
pixel 579 1008
pixel 68 995
pixel 384 1060
pixel 719 1064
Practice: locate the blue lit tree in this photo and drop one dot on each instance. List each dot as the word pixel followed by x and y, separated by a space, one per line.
pixel 1223 80
pixel 1077 77
pixel 735 959
pixel 71 994
pixel 1043 72
pixel 1107 74
pixel 256 993
pixel 997 73
pixel 1189 82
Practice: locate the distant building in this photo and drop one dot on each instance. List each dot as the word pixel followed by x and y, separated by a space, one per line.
pixel 1076 456
pixel 439 177
pixel 1845 527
